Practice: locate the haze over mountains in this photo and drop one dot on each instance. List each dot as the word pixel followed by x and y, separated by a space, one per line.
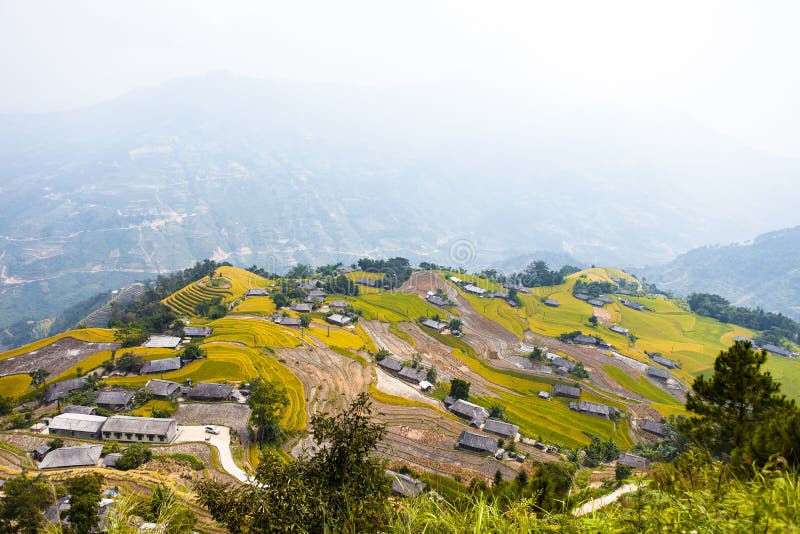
pixel 274 173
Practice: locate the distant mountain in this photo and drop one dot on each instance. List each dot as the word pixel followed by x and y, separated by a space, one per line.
pixel 275 173
pixel 764 273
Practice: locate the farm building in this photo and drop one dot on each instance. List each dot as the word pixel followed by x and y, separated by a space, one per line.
pixel 140 429
pixel 632 304
pixel 210 391
pixel 369 282
pixel 163 365
pixel 256 292
pixel 197 331
pixel 562 390
pixel 652 427
pixel 605 300
pixel 63 388
pixel 619 329
pixel 581 296
pixel 404 485
pixel 544 395
pixel 435 325
pixel 77 425
pixel 114 400
pixel 338 319
pixel 436 300
pixel 780 351
pixel 449 400
pixel 111 459
pixel 338 304
pixel 475 414
pixel 558 361
pixel 475 290
pixel 424 385
pixel 85 455
pixel 74 408
pixel 590 408
pixel 455 279
pixel 40 451
pixel 666 362
pixel 476 443
pixel 517 287
pixel 162 342
pixel 501 428
pixel 585 340
pixel 552 303
pixel 658 373
pixel 302 307
pixel 632 460
pixel 317 294
pixel 415 376
pixel 290 321
pixel 390 364
pixel 163 389
pixel 308 285
pixel 498 295
pixel 596 303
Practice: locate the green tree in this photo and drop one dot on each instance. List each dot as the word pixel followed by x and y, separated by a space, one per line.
pixel 6 405
pixel 732 403
pixel 342 488
pixel 84 496
pixel 267 401
pixel 496 411
pixel 38 377
pixel 382 353
pixel 192 352
pixel 455 325
pixel 23 503
pixel 134 456
pixel 129 363
pixel 459 388
pixel 165 509
pixel 55 443
pixel 305 320
pixel 593 320
pixel 537 354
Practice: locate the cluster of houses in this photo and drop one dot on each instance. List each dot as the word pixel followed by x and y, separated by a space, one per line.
pixel 769 347
pixel 437 300
pixel 434 324
pixel 415 375
pixel 598 301
pixel 478 417
pixel 666 362
pixel 472 289
pixel 632 304
pixel 340 317
pixel 582 339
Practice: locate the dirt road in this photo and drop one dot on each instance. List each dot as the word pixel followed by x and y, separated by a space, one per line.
pixel 221 441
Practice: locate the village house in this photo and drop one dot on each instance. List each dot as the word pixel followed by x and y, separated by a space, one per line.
pixel 666 362
pixel 404 485
pixel 501 428
pixel 424 385
pixel 289 321
pixel 61 389
pixel 552 303
pixel 596 303
pixel 632 304
pixel 436 300
pixel 415 376
pixel 256 292
pixel 77 425
pixel 369 282
pixel 338 319
pixel 619 329
pixel 435 325
pixel 477 443
pixel 780 351
pixel 197 331
pixel 518 288
pixel 582 296
pixel 390 364
pixel 658 373
pixel 590 408
pixel 302 307
pixel 139 429
pixel 74 408
pixel 632 460
pixel 85 455
pixel 162 342
pixel 163 365
pixel 111 459
pixel 562 390
pixel 163 389
pixel 308 285
pixel 544 395
pixel 558 361
pixel 209 391
pixel 652 427
pixel 584 340
pixel 475 290
pixel 475 414
pixel 338 305
pixel 40 451
pixel 114 400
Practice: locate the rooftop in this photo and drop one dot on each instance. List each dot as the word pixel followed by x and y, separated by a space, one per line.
pixel 138 425
pixel 162 388
pixel 77 422
pixel 495 426
pixel 467 410
pixel 564 390
pixel 477 442
pixel 74 408
pixel 162 342
pixel 72 457
pixel 197 331
pixel 391 364
pixel 161 366
pixel 210 390
pixel 114 398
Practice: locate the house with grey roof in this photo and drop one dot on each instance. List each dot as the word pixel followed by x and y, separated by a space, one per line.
pixel 658 373
pixel 436 300
pixel 338 304
pixel 164 365
pixel 404 485
pixel 256 292
pixel 475 290
pixel 162 342
pixel 475 414
pixel 605 300
pixel 563 390
pixel 163 389
pixel 666 362
pixel 308 285
pixel 290 321
pixel 590 408
pixel 632 304
pixel 390 364
pixel 369 282
pixel 85 455
pixel 585 340
pixel 302 307
pixel 658 429
pixel 780 351
pixel 415 376
pixel 74 408
pixel 433 324
pixel 338 319
pixel 558 361
pixel 552 303
pixel 114 400
pixel 501 428
pixel 77 425
pixel 209 391
pixel 581 296
pixel 632 460
pixel 596 303
pixel 476 443
pixel 619 329
pixel 40 451
pixel 111 459
pixel 62 389
pixel 197 331
pixel 317 294
pixel 131 429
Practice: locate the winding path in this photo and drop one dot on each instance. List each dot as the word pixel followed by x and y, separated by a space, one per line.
pixel 221 441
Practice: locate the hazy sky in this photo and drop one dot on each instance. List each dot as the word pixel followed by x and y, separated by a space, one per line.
pixel 731 65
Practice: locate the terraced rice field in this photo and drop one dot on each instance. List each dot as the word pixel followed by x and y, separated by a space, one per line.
pixel 255 306
pixel 393 307
pixel 14 385
pixel 184 300
pixel 254 333
pixel 642 386
pixel 234 363
pixel 146 409
pixel 335 337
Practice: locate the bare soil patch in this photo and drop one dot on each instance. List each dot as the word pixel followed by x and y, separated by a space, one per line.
pixel 56 357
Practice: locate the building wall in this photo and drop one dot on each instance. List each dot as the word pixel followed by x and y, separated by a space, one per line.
pixel 74 434
pixel 142 438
